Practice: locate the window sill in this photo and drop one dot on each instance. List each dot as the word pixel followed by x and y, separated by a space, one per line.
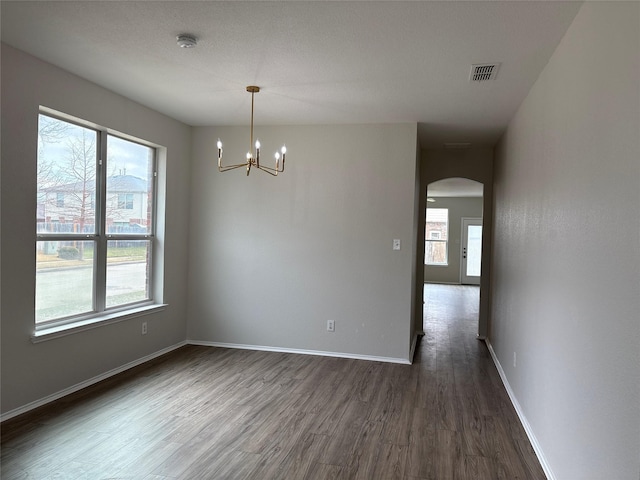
pixel 50 333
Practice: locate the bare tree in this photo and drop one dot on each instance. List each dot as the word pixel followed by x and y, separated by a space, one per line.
pixel 68 181
pixel 81 170
pixel 50 131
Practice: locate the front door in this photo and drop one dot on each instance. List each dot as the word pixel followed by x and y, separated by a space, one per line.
pixel 471 251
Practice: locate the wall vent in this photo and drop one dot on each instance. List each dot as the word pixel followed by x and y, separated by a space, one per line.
pixel 482 72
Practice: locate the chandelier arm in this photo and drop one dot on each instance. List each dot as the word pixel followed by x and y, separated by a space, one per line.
pixel 224 168
pixel 271 169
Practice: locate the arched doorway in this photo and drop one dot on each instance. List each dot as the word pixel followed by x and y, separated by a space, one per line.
pixel 453 243
pixel 452 246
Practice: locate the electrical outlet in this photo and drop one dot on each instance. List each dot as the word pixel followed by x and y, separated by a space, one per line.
pixel 331 326
pixel 144 328
pixel 514 359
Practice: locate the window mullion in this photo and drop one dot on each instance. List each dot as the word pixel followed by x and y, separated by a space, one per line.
pixel 100 259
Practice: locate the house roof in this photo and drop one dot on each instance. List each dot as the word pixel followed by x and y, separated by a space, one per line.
pixel 126 183
pixel 318 62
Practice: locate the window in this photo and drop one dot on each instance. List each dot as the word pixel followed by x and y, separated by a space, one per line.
pixel 95 229
pixel 437 235
pixel 125 201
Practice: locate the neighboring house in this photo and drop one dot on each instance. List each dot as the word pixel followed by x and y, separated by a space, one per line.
pixel 70 207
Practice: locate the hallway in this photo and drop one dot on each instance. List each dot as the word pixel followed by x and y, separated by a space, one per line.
pixel 473 414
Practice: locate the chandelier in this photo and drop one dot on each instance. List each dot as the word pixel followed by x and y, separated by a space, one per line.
pixel 253 158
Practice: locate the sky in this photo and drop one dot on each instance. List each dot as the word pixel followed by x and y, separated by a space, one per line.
pixel 122 155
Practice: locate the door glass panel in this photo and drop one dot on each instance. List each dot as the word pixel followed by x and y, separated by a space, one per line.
pixel 474 250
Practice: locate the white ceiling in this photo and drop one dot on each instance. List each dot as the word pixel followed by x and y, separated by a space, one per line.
pixel 317 62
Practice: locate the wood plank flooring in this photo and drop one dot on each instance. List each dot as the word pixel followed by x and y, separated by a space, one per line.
pixel 212 413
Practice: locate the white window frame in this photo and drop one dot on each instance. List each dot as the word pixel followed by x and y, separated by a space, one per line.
pixel 438 240
pixel 101 315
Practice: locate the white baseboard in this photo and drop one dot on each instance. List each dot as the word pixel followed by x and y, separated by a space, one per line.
pixel 525 423
pixel 355 356
pixel 79 386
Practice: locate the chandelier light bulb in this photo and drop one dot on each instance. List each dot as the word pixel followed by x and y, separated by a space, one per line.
pixel 284 149
pixel 257 144
pixel 219 144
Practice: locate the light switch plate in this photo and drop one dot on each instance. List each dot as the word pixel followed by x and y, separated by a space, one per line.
pixel 396 244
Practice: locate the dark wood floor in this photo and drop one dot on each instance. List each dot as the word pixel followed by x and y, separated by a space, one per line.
pixel 212 413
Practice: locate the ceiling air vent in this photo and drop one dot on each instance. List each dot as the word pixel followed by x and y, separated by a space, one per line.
pixel 482 72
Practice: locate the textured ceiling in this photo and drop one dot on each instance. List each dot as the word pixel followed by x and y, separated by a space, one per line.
pixel 316 62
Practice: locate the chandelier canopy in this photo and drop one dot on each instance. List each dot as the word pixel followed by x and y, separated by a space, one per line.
pixel 253 157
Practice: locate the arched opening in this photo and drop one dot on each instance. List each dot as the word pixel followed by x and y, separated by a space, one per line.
pixel 453 250
pixel 452 246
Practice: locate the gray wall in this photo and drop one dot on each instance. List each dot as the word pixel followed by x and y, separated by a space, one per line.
pixel 272 259
pixel 458 208
pixel 30 371
pixel 566 269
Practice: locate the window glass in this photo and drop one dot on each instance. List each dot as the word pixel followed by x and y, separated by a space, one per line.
pixel 94 222
pixel 67 166
pixel 129 187
pixel 437 236
pixel 128 268
pixel 64 279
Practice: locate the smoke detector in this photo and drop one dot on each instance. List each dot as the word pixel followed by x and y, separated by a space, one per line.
pixel 482 72
pixel 186 40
